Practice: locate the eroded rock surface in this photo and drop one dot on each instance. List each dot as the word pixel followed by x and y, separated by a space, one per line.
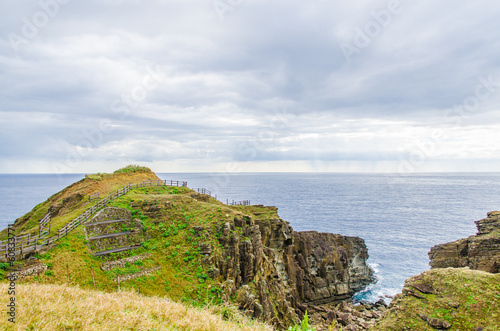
pixel 277 273
pixel 478 252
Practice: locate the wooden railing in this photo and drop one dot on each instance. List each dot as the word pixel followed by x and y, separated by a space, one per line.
pixel 95 196
pixel 238 203
pixel 203 191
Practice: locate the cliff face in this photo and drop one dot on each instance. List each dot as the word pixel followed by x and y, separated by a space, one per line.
pixel 274 270
pixel 478 252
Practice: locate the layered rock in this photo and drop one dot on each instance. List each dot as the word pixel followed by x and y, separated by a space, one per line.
pixel 478 252
pixel 277 273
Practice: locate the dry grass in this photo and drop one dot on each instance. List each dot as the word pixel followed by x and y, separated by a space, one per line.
pixel 59 307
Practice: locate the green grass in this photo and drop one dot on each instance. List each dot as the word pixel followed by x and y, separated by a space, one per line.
pixel 132 168
pixel 477 294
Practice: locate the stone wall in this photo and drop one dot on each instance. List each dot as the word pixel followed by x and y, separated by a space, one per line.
pixel 121 263
pixel 102 244
pixel 31 270
pixel 98 229
pixel 111 213
pixel 137 274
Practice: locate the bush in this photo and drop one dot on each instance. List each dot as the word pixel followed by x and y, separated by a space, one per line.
pixel 304 326
pixel 132 168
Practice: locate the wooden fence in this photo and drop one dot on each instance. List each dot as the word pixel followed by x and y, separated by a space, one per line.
pixel 203 191
pixel 95 196
pixel 238 203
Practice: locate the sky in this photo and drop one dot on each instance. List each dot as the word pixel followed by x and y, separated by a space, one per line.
pixel 395 86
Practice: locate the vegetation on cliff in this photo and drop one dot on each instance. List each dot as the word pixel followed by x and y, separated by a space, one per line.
pixel 451 298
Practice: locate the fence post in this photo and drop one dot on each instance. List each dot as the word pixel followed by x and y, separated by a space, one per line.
pixel 67 270
pixel 93 278
pixel 118 282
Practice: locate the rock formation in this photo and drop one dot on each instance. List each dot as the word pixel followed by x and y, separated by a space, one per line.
pixel 478 252
pixel 277 273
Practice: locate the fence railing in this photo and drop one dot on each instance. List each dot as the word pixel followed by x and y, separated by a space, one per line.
pixel 44 220
pixel 95 196
pixel 26 243
pixel 203 191
pixel 238 203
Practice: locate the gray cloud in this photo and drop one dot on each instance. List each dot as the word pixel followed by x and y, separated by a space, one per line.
pixel 223 82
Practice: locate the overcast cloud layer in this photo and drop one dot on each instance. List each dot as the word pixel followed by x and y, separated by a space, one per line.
pixel 239 85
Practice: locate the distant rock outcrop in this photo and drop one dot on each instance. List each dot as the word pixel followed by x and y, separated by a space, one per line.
pixel 478 252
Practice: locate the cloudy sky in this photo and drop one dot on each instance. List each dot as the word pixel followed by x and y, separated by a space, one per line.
pixel 239 85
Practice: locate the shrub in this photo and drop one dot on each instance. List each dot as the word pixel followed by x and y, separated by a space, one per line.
pixel 304 326
pixel 132 168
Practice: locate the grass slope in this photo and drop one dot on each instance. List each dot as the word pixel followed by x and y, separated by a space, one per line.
pixel 60 307
pixel 467 299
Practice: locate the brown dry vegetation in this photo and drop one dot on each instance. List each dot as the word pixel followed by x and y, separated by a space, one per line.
pixel 60 307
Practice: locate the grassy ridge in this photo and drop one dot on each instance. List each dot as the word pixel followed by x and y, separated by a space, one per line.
pixel 60 307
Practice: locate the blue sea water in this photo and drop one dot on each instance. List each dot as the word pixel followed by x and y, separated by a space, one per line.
pixel 400 218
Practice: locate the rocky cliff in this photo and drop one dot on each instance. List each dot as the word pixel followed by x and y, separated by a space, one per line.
pixel 276 273
pixel 478 252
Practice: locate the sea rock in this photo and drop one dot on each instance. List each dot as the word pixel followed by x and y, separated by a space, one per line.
pixel 478 252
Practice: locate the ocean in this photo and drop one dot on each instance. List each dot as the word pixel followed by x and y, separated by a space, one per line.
pixel 399 217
